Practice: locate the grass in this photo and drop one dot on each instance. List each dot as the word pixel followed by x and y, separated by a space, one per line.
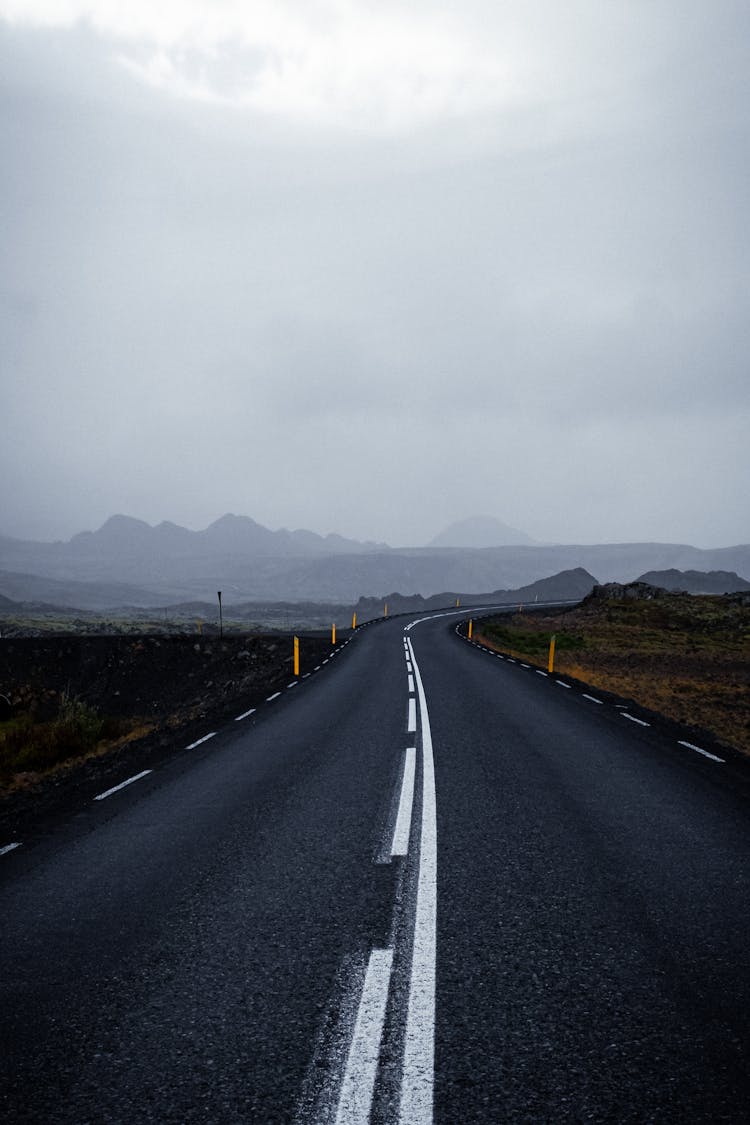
pixel 687 657
pixel 30 746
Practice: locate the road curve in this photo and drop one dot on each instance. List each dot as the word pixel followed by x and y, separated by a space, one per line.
pixel 421 884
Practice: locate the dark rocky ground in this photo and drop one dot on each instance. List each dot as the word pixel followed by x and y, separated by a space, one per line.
pixel 161 689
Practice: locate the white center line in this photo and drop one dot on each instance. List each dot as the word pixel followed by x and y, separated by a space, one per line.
pixel 115 788
pixel 524 665
pixel 275 695
pixel 316 668
pixel 9 848
pixel 292 684
pixel 198 741
pixel 400 844
pixel 698 750
pixel 592 698
pixel 411 723
pixel 633 719
pixel 355 1097
pixel 417 1078
pixel 539 672
pixel 245 714
pixel 411 683
pixel 408 666
pixel 563 684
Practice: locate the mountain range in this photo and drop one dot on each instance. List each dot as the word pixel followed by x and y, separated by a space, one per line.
pixel 129 562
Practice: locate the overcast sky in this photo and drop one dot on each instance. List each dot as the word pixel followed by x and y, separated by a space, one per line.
pixel 374 267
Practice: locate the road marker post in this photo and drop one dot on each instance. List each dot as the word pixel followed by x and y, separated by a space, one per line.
pixel 551 658
pixel 470 632
pixel 385 610
pixel 458 602
pixel 333 634
pixel 296 656
pixel 354 621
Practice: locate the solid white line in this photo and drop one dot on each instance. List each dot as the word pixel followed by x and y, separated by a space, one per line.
pixel 355 1097
pixel 563 684
pixel 114 789
pixel 417 1076
pixel 9 848
pixel 633 719
pixel 400 845
pixel 698 750
pixel 205 738
pixel 411 683
pixel 245 714
pixel 275 695
pixel 411 723
pixel 592 698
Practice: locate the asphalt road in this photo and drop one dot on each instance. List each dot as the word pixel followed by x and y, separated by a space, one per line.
pixel 526 908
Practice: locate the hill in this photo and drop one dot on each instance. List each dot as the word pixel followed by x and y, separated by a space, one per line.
pixel 696 581
pixel 480 531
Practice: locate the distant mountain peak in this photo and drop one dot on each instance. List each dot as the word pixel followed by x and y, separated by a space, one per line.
pixel 481 531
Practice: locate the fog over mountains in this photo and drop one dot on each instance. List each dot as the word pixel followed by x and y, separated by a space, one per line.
pixel 129 562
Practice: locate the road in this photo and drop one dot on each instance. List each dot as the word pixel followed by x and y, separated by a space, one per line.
pixel 526 908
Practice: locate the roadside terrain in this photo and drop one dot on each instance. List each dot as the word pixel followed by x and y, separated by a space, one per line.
pixel 72 708
pixel 686 657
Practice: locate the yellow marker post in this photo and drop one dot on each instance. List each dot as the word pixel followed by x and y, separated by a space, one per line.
pixel 470 633
pixel 385 610
pixel 458 602
pixel 551 660
pixel 333 634
pixel 200 627
pixel 296 656
pixel 354 621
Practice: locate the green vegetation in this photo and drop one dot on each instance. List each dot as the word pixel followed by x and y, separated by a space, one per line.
pixel 29 746
pixel 532 644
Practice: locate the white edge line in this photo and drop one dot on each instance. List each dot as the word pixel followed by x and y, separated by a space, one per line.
pixel 641 722
pixel 245 714
pixel 9 847
pixel 418 1071
pixel 358 1085
pixel 400 844
pixel 699 750
pixel 592 698
pixel 114 789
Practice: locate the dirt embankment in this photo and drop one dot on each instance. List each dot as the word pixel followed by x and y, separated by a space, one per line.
pixel 686 657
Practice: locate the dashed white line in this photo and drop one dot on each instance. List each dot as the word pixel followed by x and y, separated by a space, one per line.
pixel 411 683
pixel 563 684
pixel 245 714
pixel 633 719
pixel 400 844
pixel 411 722
pixel 408 666
pixel 271 698
pixel 592 698
pixel 305 675
pixel 292 684
pixel 326 660
pixel 115 788
pixel 198 741
pixel 699 750
pixel 524 665
pixel 316 668
pixel 539 672
pixel 355 1097
pixel 9 848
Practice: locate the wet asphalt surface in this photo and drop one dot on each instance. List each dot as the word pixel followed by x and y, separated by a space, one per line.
pixel 190 949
